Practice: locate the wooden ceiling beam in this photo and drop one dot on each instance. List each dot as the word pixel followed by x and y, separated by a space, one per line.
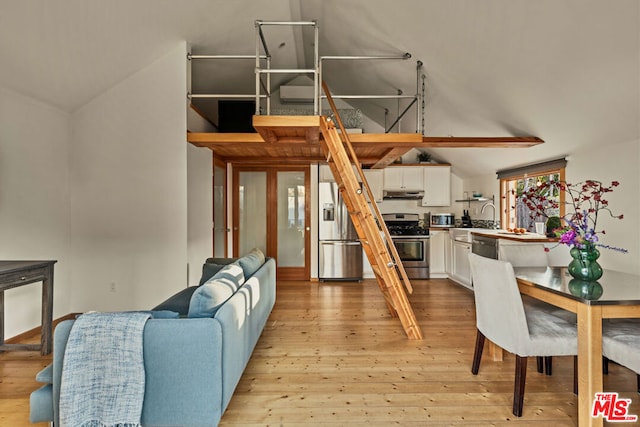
pixel 480 142
pixel 304 160
pixel 206 139
pixel 390 139
pixel 390 156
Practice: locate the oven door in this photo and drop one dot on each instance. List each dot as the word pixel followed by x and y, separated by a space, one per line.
pixel 414 255
pixel 413 252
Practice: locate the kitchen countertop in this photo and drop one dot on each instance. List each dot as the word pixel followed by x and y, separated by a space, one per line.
pixel 504 234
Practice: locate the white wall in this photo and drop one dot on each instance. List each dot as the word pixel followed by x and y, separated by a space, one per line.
pixel 199 209
pixel 34 202
pixel 488 186
pixel 128 174
pixel 606 163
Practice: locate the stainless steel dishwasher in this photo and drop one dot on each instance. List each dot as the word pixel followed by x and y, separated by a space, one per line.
pixel 484 246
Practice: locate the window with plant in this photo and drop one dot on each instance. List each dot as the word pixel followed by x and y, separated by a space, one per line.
pixel 516 213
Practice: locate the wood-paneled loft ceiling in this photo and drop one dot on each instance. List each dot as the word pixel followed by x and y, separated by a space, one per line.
pixel 295 140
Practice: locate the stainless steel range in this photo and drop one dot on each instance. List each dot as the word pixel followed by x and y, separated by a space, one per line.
pixel 411 242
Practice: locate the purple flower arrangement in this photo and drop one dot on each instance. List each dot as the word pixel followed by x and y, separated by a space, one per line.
pixel 585 200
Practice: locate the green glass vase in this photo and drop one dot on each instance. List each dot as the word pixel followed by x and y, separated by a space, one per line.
pixel 587 289
pixel 584 265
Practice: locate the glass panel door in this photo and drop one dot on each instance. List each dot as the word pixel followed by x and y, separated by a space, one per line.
pixel 291 219
pixel 219 219
pixel 251 229
pixel 271 212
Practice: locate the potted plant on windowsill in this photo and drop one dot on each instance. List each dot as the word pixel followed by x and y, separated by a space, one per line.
pixel 553 223
pixel 424 157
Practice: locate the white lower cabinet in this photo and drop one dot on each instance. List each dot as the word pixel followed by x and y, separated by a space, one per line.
pixel 460 269
pixel 367 270
pixel 448 254
pixel 437 253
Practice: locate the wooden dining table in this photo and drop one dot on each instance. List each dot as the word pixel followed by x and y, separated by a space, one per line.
pixel 615 295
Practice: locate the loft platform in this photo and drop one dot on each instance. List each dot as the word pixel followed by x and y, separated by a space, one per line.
pixel 294 139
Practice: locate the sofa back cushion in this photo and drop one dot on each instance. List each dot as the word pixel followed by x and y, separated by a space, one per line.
pixel 208 297
pixel 209 270
pixel 251 262
pixel 178 302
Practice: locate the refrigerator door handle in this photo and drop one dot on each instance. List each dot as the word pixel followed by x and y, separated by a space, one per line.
pixel 340 230
pixel 341 242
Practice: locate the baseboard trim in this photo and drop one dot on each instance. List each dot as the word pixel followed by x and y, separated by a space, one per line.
pixel 36 331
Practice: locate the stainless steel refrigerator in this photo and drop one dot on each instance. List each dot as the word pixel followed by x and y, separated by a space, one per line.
pixel 339 250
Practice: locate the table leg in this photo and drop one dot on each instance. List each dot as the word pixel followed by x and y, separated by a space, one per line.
pixel 589 362
pixel 1 317
pixel 495 351
pixel 46 340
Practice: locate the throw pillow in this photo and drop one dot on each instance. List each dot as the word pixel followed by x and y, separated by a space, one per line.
pixel 231 272
pixel 207 298
pixel 251 262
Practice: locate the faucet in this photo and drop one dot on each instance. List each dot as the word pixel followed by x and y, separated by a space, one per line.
pixel 490 205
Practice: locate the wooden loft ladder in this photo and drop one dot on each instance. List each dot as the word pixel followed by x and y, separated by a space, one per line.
pixel 368 221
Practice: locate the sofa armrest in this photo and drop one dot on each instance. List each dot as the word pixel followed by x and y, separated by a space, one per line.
pixel 41 404
pixel 182 359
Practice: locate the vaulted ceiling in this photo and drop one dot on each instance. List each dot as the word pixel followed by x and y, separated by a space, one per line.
pixel 566 71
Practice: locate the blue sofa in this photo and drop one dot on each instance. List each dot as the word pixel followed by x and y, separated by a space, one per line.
pixel 193 362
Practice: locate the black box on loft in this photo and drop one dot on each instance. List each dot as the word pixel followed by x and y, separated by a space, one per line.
pixel 236 116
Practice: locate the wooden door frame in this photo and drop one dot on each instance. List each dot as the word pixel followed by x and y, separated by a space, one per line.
pixel 283 273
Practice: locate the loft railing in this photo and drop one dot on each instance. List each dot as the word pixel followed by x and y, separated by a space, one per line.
pixel 263 90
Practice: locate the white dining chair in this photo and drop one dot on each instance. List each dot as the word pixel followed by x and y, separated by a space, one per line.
pixel 621 343
pixel 502 318
pixel 534 255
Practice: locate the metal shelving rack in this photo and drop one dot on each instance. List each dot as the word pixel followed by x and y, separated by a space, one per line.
pixel 477 199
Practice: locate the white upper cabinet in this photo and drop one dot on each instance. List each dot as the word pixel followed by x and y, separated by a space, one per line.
pixel 325 174
pixel 437 185
pixel 375 179
pixel 398 178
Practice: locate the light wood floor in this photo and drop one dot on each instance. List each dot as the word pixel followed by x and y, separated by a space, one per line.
pixel 331 355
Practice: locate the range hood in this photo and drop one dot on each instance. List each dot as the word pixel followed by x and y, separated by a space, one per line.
pixel 402 195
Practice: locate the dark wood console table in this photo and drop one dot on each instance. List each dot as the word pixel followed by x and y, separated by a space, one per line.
pixel 20 273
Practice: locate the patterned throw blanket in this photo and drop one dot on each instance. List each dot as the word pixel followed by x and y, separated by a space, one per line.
pixel 103 371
